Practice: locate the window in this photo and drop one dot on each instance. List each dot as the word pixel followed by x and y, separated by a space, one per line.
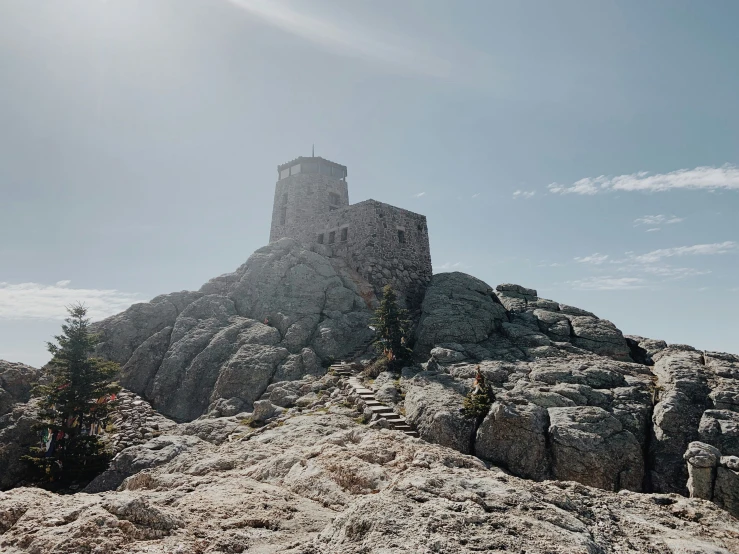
pixel 283 215
pixel 344 234
pixel 320 238
pixel 295 169
pixel 332 237
pixel 401 236
pixel 333 199
pixel 285 173
pixel 337 172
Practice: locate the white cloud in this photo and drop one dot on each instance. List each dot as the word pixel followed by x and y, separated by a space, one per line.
pixel 523 194
pixel 653 229
pixel 475 195
pixel 420 194
pixel 608 283
pixel 669 271
pixel 701 178
pixel 659 219
pixel 347 39
pixel 595 259
pixel 695 250
pixel 37 301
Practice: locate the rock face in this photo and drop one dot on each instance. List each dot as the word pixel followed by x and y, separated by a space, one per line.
pixel 573 398
pixel 321 483
pixel 275 318
pixel 432 404
pixel 17 435
pixel 16 381
pixel 510 323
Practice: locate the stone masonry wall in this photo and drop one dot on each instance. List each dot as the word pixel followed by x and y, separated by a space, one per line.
pixel 305 198
pixel 384 244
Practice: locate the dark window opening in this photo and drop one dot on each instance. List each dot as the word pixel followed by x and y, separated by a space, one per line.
pixel 344 234
pixel 401 236
pixel 284 199
pixel 420 227
pixel 333 199
pixel 332 237
pixel 320 238
pixel 283 215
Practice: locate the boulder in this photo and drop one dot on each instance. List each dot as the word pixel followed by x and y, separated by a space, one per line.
pixel 432 404
pixel 153 453
pixel 721 429
pixel 589 445
pixel 457 308
pixel 726 486
pixel 513 436
pixel 703 459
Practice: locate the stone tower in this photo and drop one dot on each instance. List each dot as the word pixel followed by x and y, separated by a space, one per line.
pixel 307 189
pixel 384 244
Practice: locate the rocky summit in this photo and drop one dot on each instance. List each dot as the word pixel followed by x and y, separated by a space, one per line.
pixel 241 430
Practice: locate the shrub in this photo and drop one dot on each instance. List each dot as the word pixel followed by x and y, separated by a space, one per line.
pixel 477 405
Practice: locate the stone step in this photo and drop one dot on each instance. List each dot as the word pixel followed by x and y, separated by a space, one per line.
pixel 381 409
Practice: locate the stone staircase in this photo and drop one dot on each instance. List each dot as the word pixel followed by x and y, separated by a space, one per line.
pixel 381 411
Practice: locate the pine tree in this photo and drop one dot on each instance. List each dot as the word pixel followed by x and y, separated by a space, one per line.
pixel 77 395
pixel 391 325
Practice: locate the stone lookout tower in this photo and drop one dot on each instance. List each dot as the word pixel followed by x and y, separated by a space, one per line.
pixel 384 244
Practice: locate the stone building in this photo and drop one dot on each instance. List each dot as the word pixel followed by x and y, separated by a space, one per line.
pixel 383 243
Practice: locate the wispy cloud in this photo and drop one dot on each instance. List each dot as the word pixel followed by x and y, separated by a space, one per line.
pixel 608 283
pixel 701 178
pixel 695 250
pixel 37 301
pixel 659 219
pixel 650 269
pixel 420 194
pixel 346 39
pixel 475 195
pixel 523 194
pixel 653 229
pixel 595 259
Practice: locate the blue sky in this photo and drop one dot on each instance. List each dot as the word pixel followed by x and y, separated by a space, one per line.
pixel 585 149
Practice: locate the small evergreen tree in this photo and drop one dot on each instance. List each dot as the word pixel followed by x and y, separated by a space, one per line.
pixel 391 325
pixel 77 395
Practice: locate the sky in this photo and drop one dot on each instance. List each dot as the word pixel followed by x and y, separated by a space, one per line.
pixel 587 149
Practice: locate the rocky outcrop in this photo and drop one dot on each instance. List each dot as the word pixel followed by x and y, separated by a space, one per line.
pixel 466 318
pixel 432 405
pixel 17 436
pixel 153 453
pixel 320 482
pixel 457 308
pixel 275 318
pixel 16 382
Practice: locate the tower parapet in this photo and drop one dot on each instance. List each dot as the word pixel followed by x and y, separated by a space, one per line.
pixel 306 189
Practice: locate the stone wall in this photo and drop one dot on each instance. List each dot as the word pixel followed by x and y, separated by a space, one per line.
pixel 300 199
pixel 384 244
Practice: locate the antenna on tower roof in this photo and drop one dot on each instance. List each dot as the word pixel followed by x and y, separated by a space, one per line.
pixel 313 153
